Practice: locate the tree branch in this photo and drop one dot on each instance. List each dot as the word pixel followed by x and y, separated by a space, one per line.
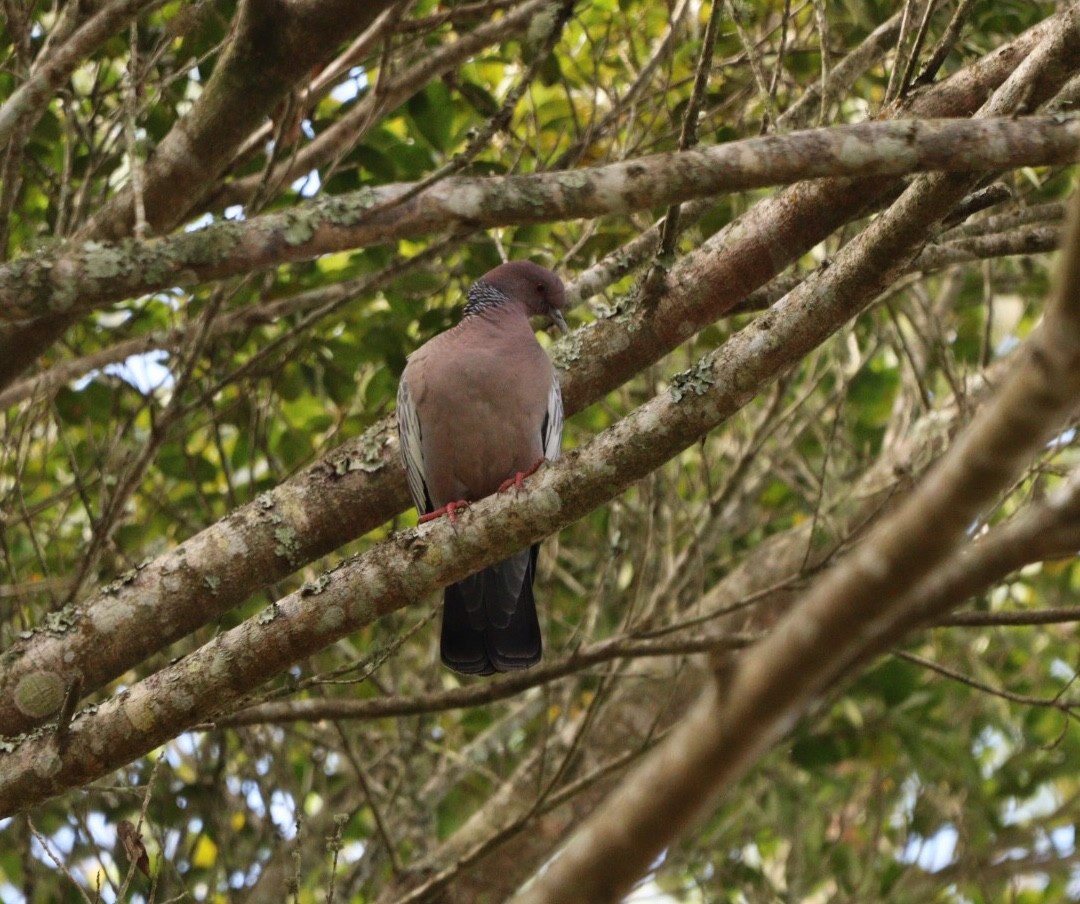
pixel 854 611
pixel 350 129
pixel 273 46
pixel 360 485
pixel 25 105
pixel 93 275
pixel 768 578
pixel 604 651
pixel 398 571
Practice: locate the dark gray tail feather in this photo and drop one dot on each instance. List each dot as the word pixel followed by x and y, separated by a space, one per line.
pixel 489 619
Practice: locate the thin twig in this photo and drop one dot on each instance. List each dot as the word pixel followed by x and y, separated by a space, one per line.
pixel 1065 705
pixel 132 85
pixel 905 30
pixel 688 137
pixel 945 44
pixel 499 689
pixel 373 804
pixel 497 123
pixel 920 38
pixel 57 862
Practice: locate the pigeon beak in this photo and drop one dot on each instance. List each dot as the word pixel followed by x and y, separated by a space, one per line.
pixel 557 318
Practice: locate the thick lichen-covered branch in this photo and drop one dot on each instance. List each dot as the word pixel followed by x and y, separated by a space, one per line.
pixel 94 274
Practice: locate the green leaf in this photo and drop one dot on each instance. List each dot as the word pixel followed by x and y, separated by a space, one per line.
pixel 432 113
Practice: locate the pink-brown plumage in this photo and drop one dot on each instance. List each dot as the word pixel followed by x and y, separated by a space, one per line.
pixel 478 405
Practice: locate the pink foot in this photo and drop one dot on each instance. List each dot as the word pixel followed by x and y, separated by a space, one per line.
pixel 450 510
pixel 519 477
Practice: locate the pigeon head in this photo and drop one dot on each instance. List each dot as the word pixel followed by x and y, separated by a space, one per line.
pixel 539 291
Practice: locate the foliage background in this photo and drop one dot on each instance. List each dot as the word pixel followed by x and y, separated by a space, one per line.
pixel 945 771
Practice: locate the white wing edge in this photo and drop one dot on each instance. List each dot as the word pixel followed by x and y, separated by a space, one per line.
pixel 553 423
pixel 412 451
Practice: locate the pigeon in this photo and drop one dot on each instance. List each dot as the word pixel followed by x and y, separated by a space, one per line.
pixel 479 410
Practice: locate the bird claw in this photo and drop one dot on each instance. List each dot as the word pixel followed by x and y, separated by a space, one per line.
pixel 517 480
pixel 450 510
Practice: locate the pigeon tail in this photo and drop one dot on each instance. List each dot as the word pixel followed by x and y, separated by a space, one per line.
pixel 489 619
